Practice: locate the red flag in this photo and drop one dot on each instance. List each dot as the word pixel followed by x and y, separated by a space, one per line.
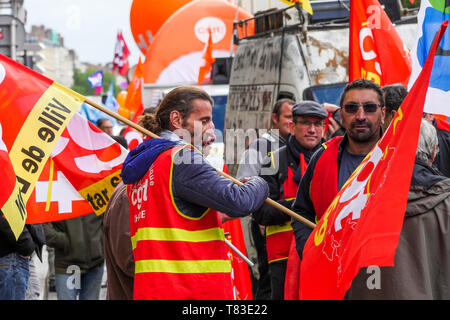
pixel 121 53
pixel 358 229
pixel 292 280
pixel 40 122
pixel 376 51
pixel 242 284
pixel 11 202
pixel 208 60
pixel 34 112
pixel 81 174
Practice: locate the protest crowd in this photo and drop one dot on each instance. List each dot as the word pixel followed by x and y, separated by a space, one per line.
pixel 165 222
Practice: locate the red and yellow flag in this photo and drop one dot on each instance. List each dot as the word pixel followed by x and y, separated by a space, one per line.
pixel 358 230
pixel 376 51
pixel 34 112
pixel 40 122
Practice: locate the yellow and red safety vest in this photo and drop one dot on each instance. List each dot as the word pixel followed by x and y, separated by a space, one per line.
pixel 279 237
pixel 177 257
pixel 324 183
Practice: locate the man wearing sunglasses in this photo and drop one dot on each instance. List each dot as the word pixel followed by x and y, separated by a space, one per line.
pixel 362 115
pixel 288 164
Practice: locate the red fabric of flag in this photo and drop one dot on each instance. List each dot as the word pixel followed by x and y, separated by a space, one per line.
pixel 292 280
pixel 359 229
pixel 376 51
pixel 8 180
pixel 121 53
pixel 80 176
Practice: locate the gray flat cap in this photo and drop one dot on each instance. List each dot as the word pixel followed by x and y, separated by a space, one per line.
pixel 309 108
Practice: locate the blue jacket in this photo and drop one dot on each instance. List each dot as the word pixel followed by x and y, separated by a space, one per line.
pixel 196 185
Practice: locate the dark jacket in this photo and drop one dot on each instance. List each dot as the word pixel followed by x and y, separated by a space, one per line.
pixel 31 239
pixel 118 250
pixel 422 260
pixel 303 204
pixel 196 185
pixel 285 157
pixel 77 241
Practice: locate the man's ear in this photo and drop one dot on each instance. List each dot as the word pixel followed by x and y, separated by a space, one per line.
pixel 383 114
pixel 176 120
pixel 274 121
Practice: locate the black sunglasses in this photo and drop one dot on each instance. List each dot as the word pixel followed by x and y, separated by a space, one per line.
pixel 369 107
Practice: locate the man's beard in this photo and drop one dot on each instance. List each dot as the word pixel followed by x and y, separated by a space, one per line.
pixel 361 136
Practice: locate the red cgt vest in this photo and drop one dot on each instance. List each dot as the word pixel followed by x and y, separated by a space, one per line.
pixel 324 183
pixel 279 237
pixel 176 257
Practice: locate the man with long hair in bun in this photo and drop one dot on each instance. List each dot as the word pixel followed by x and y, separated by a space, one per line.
pixel 175 195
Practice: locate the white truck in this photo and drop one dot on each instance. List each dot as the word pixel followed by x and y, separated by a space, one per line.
pixel 291 55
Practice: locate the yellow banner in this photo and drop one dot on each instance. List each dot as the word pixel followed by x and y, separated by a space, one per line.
pixel 15 212
pixel 97 194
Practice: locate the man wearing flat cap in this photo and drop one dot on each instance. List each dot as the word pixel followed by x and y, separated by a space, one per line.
pixel 288 164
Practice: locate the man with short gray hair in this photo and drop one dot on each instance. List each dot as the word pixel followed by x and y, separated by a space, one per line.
pixel 288 165
pixel 427 147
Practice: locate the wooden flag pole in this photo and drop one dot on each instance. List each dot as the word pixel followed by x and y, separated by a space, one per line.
pixel 273 203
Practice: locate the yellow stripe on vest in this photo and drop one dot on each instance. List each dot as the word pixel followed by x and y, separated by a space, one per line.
pixel 270 230
pixel 175 234
pixel 183 266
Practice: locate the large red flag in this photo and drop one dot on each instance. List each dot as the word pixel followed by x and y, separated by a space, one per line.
pixel 208 59
pixel 376 51
pixel 362 225
pixel 34 112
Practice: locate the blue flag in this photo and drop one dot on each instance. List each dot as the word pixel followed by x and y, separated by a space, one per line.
pixel 96 81
pixel 431 15
pixel 111 102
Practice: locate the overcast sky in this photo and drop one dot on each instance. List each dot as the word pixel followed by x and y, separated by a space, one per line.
pixel 88 26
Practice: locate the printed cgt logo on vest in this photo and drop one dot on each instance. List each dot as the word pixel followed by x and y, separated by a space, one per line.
pixel 139 194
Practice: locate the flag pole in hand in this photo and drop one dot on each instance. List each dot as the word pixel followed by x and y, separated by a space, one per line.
pixel 273 203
